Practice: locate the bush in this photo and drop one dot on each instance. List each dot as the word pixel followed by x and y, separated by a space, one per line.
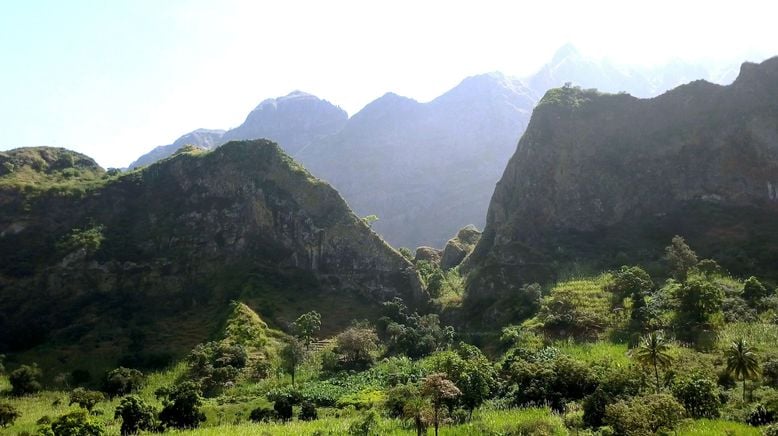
pixel 365 426
pixel 215 364
pixel 262 414
pixel 760 415
pixel 8 414
pixel 85 399
pixel 699 396
pixel 770 372
pixel 135 414
pixel 181 406
pixel 25 380
pixel 76 424
pixel 122 381
pixel 308 412
pixel 283 408
pixel 644 416
pixel 770 430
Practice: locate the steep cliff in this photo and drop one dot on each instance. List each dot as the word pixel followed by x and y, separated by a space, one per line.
pixel 163 248
pixel 597 179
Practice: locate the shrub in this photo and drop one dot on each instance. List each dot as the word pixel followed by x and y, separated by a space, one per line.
pixel 76 424
pixel 283 408
pixel 135 414
pixel 122 381
pixel 644 416
pixel 262 414
pixel 181 406
pixel 770 430
pixel 308 412
pixel 366 426
pixel 8 414
pixel 215 364
pixel 85 399
pixel 754 291
pixel 25 380
pixel 770 372
pixel 699 396
pixel 760 415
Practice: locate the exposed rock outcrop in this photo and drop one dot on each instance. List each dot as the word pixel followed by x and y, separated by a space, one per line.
pixel 600 178
pixel 458 247
pixel 428 254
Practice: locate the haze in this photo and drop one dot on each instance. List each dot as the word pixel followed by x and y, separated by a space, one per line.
pixel 114 79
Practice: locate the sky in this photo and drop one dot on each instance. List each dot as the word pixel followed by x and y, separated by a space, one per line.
pixel 113 79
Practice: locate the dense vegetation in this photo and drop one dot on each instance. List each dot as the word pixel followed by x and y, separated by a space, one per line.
pixel 694 351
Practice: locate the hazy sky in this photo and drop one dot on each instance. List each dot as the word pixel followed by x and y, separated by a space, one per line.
pixel 113 79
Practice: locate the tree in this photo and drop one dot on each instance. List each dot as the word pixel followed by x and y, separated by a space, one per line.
pixel 85 398
pixel 308 411
pixel 653 351
pixel 699 396
pixel 76 424
pixel 122 381
pixel 306 326
pixel 283 408
pixel 216 364
pixel 742 362
pixel 754 291
pixel 680 257
pixel 135 414
pixel 438 388
pixel 356 345
pixel 291 355
pixel 262 414
pixel 635 283
pixel 8 414
pixel 416 408
pixel 370 219
pixel 471 372
pixel 25 380
pixel 181 405
pixel 700 301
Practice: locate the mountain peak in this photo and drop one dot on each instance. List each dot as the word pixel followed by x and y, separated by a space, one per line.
pixel 565 52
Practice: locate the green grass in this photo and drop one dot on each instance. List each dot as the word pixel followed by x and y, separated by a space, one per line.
pixel 595 352
pixel 763 336
pixel 708 427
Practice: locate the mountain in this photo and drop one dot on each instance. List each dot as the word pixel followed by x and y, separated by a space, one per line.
pixel 425 169
pixel 600 178
pixel 295 121
pixel 204 138
pixel 428 169
pixel 90 260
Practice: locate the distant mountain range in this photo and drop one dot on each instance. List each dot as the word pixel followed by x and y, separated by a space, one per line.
pixel 428 169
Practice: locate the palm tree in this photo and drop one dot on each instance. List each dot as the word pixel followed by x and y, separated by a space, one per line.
pixel 653 351
pixel 742 361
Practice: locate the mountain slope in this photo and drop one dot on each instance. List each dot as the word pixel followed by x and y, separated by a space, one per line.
pixel 204 138
pixel 597 178
pixel 163 249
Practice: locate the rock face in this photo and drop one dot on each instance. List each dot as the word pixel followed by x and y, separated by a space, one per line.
pixel 428 254
pixel 599 176
pixel 205 138
pixel 458 247
pixel 180 239
pixel 294 121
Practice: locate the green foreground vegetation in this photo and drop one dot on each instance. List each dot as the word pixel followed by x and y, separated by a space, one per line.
pixel 615 354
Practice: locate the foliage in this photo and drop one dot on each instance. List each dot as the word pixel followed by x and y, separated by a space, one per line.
pixel 770 372
pixel 616 383
pixel 653 351
pixel 76 424
pixel 555 381
pixel 356 345
pixel 366 426
pixel 216 364
pixel 698 395
pixel 292 354
pixel 754 291
pixel 306 326
pixel 244 327
pixel 8 414
pixel 633 283
pixel 438 389
pixel 699 308
pixel 25 380
pixel 85 398
pixel 370 219
pixel 87 239
pixel 412 334
pixel 680 258
pixel 136 415
pixel 308 411
pixel 181 405
pixel 123 381
pixel 644 416
pixel 470 371
pixel 742 362
pixel 283 408
pixel 262 414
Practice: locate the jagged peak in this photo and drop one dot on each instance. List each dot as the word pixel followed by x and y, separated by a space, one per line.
pixel 565 52
pixel 295 95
